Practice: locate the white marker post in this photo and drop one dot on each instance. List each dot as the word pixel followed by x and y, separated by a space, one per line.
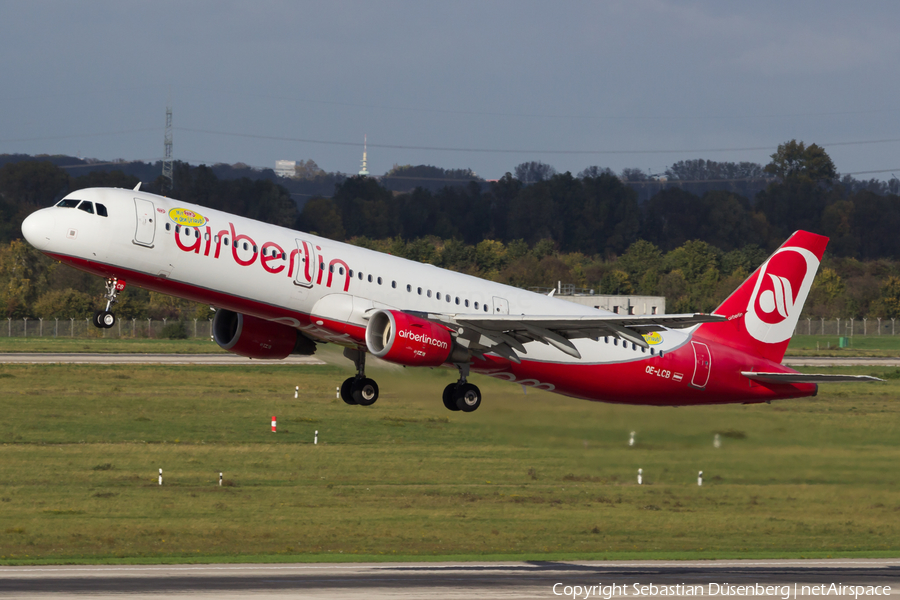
pixel 220 480
pixel 316 439
pixel 631 441
pixel 337 393
pixel 160 477
pixel 700 478
pixel 717 441
pixel 640 478
pixel 296 392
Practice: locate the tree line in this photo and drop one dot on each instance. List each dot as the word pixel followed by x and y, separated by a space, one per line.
pixel 529 230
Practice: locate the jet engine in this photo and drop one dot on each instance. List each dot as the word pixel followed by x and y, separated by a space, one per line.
pixel 404 339
pixel 257 338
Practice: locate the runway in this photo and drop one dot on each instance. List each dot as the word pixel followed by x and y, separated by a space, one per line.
pixel 842 361
pixel 76 358
pixel 457 580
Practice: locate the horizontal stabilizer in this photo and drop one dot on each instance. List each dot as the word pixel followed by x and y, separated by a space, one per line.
pixel 804 377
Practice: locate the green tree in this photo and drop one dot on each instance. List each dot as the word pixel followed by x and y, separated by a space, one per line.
pixel 307 169
pixel 795 160
pixel 320 217
pixel 33 182
pixel 64 304
pixel 24 272
pixel 888 305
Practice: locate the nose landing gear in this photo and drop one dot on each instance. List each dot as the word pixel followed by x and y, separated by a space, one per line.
pixel 104 319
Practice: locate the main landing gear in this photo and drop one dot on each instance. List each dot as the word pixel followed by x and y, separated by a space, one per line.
pixel 104 319
pixel 462 395
pixel 360 389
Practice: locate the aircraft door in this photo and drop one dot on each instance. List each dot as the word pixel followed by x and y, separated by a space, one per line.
pixel 307 265
pixel 501 306
pixel 145 231
pixel 702 365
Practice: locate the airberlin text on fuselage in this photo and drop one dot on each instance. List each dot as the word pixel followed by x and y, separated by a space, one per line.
pixel 423 338
pixel 271 262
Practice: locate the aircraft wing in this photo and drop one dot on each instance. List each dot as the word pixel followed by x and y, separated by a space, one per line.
pixel 804 377
pixel 506 334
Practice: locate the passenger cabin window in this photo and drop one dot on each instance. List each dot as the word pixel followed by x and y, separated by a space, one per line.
pixel 467 303
pixel 394 284
pixel 476 306
pixel 379 281
pixel 370 279
pixel 68 203
pixel 438 296
pixel 87 207
pixel 101 210
pixel 408 288
pixel 168 226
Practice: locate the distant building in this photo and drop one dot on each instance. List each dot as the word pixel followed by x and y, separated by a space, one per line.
pixel 285 168
pixel 621 305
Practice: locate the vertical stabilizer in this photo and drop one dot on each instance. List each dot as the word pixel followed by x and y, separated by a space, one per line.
pixel 763 312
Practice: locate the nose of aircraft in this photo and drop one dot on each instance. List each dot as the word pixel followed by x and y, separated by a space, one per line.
pixel 36 229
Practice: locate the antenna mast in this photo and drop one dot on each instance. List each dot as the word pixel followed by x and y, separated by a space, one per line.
pixel 364 171
pixel 167 160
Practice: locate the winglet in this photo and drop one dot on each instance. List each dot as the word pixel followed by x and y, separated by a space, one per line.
pixel 137 188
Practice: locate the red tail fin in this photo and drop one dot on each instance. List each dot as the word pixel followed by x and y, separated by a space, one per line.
pixel 762 313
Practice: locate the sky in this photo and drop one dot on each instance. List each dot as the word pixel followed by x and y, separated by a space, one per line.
pixel 483 85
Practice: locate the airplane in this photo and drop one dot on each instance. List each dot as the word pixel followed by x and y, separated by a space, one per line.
pixel 276 292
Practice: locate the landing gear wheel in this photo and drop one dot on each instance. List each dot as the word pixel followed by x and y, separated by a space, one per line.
pixel 468 397
pixel 96 319
pixel 347 391
pixel 106 319
pixel 449 400
pixel 365 391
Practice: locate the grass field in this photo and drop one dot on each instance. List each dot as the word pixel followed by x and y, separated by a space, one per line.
pixel 801 345
pixel 827 345
pixel 534 476
pixel 110 345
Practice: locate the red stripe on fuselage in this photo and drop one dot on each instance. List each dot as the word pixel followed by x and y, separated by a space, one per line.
pixel 654 380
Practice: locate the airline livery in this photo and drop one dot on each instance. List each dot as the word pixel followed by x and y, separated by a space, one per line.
pixel 279 292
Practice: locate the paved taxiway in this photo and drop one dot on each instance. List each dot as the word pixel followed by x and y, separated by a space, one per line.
pixel 76 358
pixel 482 581
pixel 842 361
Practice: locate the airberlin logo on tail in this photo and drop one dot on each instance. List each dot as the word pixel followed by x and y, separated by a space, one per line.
pixel 781 289
pixel 777 302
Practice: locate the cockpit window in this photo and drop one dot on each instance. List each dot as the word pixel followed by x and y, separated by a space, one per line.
pixel 87 207
pixel 68 203
pixel 101 210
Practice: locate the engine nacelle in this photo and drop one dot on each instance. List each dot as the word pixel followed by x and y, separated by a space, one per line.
pixel 257 338
pixel 407 340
